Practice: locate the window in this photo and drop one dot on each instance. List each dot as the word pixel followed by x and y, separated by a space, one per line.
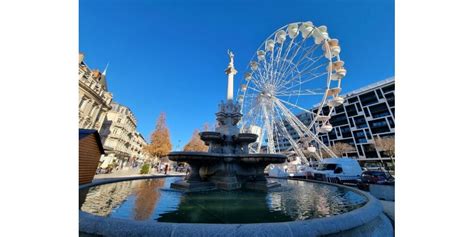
pixel 351 122
pixel 379 110
pixel 390 99
pixel 351 110
pixel 389 88
pixel 359 136
pixel 379 126
pixel 379 94
pixel 346 131
pixel 332 134
pixel 366 112
pixel 339 119
pixel 325 140
pixel 359 150
pixel 367 132
pixel 368 98
pixel 391 123
pixel 339 109
pixel 360 122
pixel 83 104
pixel 326 167
pixel 370 151
pixel 325 110
pixel 352 100
pixel 359 108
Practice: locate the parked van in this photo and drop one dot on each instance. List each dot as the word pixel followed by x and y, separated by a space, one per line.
pixel 338 170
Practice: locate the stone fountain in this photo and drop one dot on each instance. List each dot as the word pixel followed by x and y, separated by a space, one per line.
pixel 227 165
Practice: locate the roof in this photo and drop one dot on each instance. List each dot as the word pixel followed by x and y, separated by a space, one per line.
pixel 370 86
pixel 86 132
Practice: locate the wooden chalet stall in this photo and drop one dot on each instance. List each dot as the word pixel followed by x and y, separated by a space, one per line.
pixel 90 150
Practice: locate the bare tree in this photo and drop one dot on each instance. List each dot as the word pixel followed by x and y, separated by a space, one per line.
pixel 340 148
pixel 387 145
pixel 160 144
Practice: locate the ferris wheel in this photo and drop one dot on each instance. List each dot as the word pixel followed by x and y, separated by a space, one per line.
pixel 291 88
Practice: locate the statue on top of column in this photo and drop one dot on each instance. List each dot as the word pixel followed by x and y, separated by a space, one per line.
pixel 231 57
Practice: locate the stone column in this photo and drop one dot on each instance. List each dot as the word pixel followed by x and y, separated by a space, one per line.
pixel 230 71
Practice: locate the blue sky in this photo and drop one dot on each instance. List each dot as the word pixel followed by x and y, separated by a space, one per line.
pixel 170 56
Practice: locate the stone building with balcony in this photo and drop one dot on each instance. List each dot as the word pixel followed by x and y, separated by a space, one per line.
pixel 94 98
pixel 119 136
pixel 137 145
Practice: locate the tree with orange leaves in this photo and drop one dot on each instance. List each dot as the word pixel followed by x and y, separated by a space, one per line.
pixel 196 144
pixel 160 144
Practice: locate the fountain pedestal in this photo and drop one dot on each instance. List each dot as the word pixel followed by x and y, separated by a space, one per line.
pixel 227 165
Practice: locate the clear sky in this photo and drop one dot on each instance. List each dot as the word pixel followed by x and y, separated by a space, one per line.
pixel 170 56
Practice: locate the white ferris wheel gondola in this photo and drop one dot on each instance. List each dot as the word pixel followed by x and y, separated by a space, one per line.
pixel 294 68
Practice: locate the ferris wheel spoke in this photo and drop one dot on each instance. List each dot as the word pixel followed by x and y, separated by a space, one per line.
pixel 288 49
pixel 301 92
pixel 300 60
pixel 247 114
pixel 307 68
pixel 306 80
pixel 307 71
pixel 307 51
pixel 254 89
pixel 290 118
pixel 296 106
pixel 269 128
pixel 278 57
pixel 261 74
pixel 258 84
pixel 290 139
pixel 306 131
pixel 295 51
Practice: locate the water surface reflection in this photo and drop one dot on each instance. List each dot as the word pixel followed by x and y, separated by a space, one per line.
pixel 151 199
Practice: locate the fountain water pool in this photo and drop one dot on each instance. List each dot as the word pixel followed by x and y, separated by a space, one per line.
pixel 151 199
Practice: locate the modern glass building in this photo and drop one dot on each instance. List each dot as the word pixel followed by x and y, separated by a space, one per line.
pixel 367 113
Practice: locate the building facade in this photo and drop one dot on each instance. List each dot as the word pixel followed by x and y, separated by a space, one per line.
pixel 367 113
pixel 117 133
pixel 137 144
pixel 116 123
pixel 94 99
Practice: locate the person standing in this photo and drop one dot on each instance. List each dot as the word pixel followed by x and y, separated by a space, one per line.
pixel 166 168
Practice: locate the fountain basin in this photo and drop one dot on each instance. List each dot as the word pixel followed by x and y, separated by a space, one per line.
pixel 226 171
pixel 366 219
pixel 209 157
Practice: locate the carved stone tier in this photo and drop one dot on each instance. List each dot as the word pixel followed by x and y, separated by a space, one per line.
pixel 225 171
